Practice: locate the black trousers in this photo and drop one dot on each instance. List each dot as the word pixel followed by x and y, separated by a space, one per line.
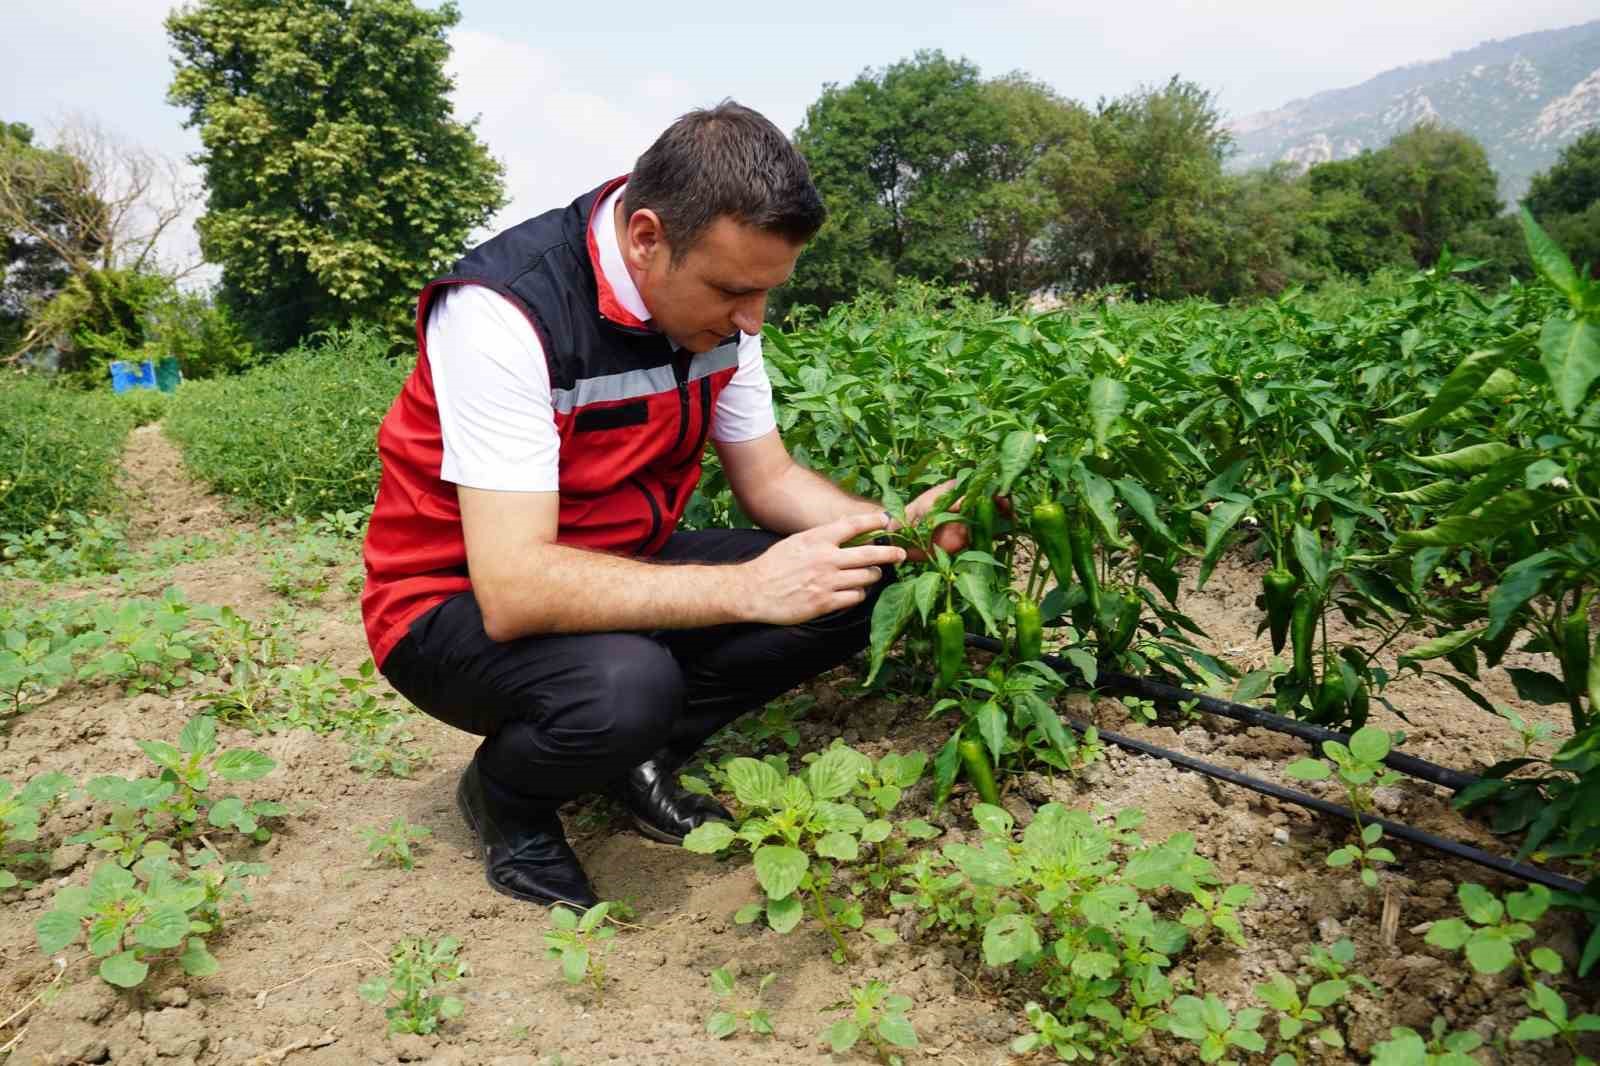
pixel 566 714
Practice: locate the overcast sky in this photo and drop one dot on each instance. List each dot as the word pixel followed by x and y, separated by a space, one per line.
pixel 568 95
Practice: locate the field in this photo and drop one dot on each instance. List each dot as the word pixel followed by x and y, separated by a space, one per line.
pixel 249 832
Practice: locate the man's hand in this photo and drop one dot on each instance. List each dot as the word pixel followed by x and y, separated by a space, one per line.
pixel 953 537
pixel 808 575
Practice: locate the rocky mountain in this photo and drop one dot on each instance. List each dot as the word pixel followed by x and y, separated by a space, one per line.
pixel 1524 98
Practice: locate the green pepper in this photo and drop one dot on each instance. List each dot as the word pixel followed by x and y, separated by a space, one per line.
pixel 950 647
pixel 982 522
pixel 1050 530
pixel 1030 632
pixel 1123 610
pixel 1303 631
pixel 1278 587
pixel 1594 679
pixel 1081 542
pixel 975 761
pixel 1329 705
pixel 1360 705
pixel 1574 651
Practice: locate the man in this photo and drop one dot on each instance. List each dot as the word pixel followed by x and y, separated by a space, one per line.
pixel 569 373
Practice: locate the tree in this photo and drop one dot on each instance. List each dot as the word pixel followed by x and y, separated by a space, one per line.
pixel 89 215
pixel 338 180
pixel 1140 199
pixel 1572 184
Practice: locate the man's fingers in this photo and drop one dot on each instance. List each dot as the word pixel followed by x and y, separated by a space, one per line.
pixel 872 555
pixel 842 529
pixel 865 577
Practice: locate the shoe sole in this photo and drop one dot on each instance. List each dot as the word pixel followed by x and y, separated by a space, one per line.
pixel 483 850
pixel 659 835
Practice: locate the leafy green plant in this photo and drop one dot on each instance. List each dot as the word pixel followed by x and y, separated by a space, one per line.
pixel 878 1015
pixel 1209 1024
pixel 725 1021
pixel 301 571
pixel 146 645
pixel 1070 904
pixel 796 830
pixel 1551 1018
pixel 1406 1047
pixel 1217 911
pixel 418 966
pixel 59 450
pixel 130 918
pixel 31 667
pixel 1360 770
pixel 580 943
pixel 1139 710
pixel 1299 1020
pixel 1336 962
pixel 79 545
pixel 178 803
pixel 1490 940
pixel 392 846
pixel 20 811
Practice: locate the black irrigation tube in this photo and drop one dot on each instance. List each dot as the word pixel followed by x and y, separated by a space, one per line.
pixel 1397 830
pixel 1454 780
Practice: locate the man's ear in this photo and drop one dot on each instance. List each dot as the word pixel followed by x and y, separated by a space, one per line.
pixel 645 240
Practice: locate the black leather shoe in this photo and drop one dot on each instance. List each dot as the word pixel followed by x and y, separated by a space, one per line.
pixel 660 809
pixel 525 854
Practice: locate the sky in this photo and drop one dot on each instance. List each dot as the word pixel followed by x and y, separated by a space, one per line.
pixel 567 95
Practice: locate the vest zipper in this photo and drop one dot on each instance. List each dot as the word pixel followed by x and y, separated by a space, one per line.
pixel 655 510
pixel 680 370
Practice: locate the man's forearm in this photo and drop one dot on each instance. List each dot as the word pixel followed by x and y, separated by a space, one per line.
pixel 571 590
pixel 799 499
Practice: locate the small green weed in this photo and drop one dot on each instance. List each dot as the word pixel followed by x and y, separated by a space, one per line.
pixel 725 1021
pixel 20 812
pixel 876 1014
pixel 1360 770
pixel 416 967
pixel 392 846
pixel 130 918
pixel 79 545
pixel 581 943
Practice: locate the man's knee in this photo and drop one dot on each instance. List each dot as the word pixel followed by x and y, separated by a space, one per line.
pixel 636 690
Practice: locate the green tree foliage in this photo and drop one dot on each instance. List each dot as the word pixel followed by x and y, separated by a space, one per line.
pixel 1399 205
pixel 1141 198
pixel 40 232
pixel 1572 184
pixel 338 180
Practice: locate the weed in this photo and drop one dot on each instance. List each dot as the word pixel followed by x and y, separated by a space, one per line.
pixel 133 917
pixel 20 811
pixel 392 846
pixel 79 545
pixel 581 943
pixel 416 967
pixel 725 1021
pixel 876 1014
pixel 1360 770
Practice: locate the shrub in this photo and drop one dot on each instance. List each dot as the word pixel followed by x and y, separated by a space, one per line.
pixel 299 435
pixel 58 451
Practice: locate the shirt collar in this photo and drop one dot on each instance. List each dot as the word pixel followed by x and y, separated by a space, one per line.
pixel 619 297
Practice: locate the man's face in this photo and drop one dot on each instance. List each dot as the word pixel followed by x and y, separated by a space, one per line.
pixel 720 286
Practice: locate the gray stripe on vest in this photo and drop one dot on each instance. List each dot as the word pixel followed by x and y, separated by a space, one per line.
pixel 632 384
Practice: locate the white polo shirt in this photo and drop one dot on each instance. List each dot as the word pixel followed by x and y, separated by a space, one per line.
pixel 492 383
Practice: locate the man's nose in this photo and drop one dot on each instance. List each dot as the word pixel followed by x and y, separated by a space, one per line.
pixel 749 315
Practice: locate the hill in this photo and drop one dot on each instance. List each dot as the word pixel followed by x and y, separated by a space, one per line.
pixel 1524 98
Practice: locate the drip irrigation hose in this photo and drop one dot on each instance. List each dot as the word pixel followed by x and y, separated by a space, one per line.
pixel 1454 780
pixel 1109 681
pixel 1397 830
pixel 1455 848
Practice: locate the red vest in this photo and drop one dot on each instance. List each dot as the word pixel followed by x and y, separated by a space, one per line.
pixel 632 414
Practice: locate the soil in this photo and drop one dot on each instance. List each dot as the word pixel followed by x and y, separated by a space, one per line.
pixel 323 918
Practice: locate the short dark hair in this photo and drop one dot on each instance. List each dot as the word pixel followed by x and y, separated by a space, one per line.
pixel 724 160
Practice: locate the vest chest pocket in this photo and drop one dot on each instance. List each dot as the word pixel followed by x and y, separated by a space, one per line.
pixel 594 419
